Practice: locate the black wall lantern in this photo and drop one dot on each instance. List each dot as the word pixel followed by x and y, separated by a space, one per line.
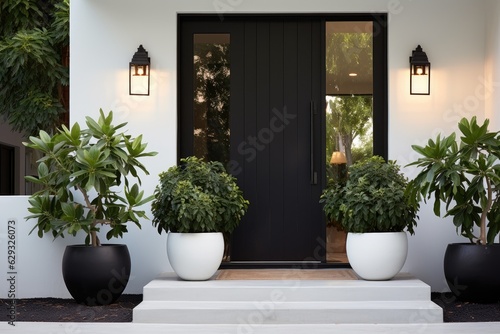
pixel 139 73
pixel 420 73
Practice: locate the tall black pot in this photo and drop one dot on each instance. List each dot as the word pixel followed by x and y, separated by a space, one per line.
pixel 473 271
pixel 96 275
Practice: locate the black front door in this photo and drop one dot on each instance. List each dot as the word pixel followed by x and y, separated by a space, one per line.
pixel 251 97
pixel 278 142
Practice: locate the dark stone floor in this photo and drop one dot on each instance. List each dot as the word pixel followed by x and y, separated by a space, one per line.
pixel 459 311
pixel 67 310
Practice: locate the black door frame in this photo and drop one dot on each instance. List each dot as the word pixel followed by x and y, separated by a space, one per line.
pixel 380 93
pixel 380 67
pixel 7 170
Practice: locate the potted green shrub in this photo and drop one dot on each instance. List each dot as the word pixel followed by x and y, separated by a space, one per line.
pixel 195 203
pixel 463 174
pixel 89 179
pixel 374 210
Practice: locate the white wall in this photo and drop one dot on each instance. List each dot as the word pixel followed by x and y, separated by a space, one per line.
pixel 106 33
pixel 452 34
pixel 492 63
pixel 38 260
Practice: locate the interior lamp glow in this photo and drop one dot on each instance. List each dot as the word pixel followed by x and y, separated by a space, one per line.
pixel 420 72
pixel 139 73
pixel 338 158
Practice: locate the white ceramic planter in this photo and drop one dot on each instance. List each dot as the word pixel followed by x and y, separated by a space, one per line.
pixel 195 256
pixel 377 256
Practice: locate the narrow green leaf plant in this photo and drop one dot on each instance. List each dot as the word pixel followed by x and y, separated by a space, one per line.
pixel 88 178
pixel 463 174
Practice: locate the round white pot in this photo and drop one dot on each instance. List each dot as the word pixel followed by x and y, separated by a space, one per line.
pixel 195 256
pixel 377 256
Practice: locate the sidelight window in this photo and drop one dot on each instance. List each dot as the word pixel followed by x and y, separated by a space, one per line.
pixel 211 61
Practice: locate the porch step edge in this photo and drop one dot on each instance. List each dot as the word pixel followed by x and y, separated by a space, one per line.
pixel 223 312
pixel 403 287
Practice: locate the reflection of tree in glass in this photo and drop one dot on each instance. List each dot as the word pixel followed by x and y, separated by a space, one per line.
pixel 348 53
pixel 350 119
pixel 211 101
pixel 349 114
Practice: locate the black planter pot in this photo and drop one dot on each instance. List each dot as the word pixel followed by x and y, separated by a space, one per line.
pixel 96 275
pixel 473 272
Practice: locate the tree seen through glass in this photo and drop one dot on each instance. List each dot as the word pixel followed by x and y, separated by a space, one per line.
pixel 211 97
pixel 349 88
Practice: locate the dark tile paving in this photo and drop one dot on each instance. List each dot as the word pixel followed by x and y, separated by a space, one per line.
pixel 67 310
pixel 458 311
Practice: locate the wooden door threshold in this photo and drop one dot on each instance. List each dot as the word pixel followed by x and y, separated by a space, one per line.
pixel 282 264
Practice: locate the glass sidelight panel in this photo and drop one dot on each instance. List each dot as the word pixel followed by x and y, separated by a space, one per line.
pixel 349 109
pixel 211 96
pixel 349 94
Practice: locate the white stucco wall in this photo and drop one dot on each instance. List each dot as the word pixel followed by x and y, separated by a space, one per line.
pixel 38 261
pixel 459 36
pixel 492 62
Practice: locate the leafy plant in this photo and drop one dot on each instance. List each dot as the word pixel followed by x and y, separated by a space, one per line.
pixel 465 176
pixel 373 199
pixel 84 175
pixel 197 196
pixel 34 39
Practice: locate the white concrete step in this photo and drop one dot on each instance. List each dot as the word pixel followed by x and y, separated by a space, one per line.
pixel 134 328
pixel 403 287
pixel 403 299
pixel 266 312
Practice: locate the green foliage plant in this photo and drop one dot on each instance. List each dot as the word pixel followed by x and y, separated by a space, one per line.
pixel 373 199
pixel 464 175
pixel 34 40
pixel 197 196
pixel 86 177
